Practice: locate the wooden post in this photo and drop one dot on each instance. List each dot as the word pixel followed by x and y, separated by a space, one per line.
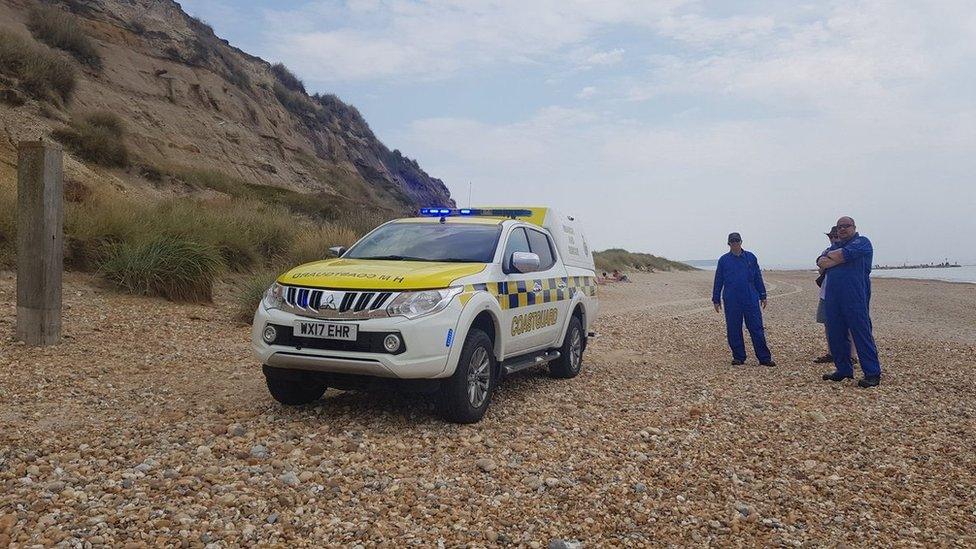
pixel 40 223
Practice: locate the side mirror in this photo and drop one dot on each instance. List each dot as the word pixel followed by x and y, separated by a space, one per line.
pixel 338 250
pixel 525 262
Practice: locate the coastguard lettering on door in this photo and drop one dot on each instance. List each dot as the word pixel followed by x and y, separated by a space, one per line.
pixel 533 321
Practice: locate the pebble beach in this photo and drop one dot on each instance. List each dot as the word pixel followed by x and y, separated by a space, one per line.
pixel 150 425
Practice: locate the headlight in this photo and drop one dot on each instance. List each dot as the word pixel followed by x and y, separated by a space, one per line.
pixel 274 296
pixel 414 304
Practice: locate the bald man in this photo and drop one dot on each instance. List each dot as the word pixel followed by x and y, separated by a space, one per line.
pixel 846 303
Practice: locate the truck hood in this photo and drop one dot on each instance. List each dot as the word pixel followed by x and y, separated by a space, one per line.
pixel 371 274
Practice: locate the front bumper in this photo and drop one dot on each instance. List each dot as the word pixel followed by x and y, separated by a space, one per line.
pixel 426 339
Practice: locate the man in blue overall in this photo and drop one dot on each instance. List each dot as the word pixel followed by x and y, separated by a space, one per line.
pixel 846 303
pixel 739 282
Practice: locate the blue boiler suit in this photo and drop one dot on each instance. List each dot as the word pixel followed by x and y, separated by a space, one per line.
pixel 847 303
pixel 739 281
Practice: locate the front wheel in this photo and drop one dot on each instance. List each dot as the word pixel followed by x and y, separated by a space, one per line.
pixel 464 397
pixel 293 387
pixel 570 359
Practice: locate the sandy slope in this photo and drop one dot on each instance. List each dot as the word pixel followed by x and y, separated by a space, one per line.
pixel 140 428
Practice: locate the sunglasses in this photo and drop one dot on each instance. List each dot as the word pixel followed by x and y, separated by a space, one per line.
pixel 845 226
pixel 735 240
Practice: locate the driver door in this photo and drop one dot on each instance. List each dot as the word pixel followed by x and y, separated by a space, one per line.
pixel 529 319
pixel 513 295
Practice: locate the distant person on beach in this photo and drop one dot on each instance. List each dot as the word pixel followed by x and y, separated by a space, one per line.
pixel 834 240
pixel 847 302
pixel 739 284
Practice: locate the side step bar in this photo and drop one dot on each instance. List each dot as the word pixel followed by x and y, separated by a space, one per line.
pixel 513 365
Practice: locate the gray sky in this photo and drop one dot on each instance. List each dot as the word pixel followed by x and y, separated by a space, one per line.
pixel 664 125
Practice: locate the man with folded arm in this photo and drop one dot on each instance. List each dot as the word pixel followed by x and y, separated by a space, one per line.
pixel 847 302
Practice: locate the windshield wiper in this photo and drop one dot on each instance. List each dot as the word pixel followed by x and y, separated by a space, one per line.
pixel 393 258
pixel 428 259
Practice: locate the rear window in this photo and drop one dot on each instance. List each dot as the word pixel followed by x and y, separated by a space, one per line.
pixel 451 242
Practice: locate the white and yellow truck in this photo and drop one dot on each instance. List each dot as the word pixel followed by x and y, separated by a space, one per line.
pixel 447 302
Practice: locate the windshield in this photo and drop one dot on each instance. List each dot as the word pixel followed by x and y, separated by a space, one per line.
pixel 461 243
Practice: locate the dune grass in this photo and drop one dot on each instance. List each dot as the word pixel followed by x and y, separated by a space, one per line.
pixel 313 243
pixel 60 29
pixel 617 258
pixel 287 78
pixel 297 103
pixel 123 240
pixel 36 69
pixel 98 137
pixel 325 208
pixel 178 248
pixel 175 268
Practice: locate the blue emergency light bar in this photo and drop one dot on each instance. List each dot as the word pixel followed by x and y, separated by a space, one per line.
pixel 483 212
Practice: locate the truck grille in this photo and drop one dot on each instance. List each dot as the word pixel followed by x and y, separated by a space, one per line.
pixel 336 303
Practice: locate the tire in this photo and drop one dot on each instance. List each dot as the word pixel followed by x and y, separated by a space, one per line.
pixel 464 397
pixel 570 360
pixel 293 387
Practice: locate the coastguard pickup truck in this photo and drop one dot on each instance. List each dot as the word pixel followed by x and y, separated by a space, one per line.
pixel 448 302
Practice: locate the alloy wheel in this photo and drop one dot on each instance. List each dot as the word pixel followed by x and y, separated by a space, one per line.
pixel 479 377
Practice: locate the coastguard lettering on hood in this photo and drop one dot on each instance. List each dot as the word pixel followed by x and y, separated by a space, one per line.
pixel 337 274
pixel 533 321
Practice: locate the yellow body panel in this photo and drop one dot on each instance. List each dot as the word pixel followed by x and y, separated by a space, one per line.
pixel 371 274
pixel 538 216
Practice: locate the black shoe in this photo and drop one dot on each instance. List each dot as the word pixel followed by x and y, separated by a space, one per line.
pixel 738 362
pixel 768 363
pixel 836 376
pixel 869 381
pixel 826 359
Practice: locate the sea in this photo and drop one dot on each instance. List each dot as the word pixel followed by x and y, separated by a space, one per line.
pixel 966 273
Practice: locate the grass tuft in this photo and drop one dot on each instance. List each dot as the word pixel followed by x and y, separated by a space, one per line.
pixel 295 102
pixel 175 268
pixel 250 292
pixel 99 137
pixel 38 70
pixel 61 30
pixel 287 78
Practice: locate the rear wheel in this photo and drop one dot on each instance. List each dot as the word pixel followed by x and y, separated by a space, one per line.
pixel 293 387
pixel 570 359
pixel 464 397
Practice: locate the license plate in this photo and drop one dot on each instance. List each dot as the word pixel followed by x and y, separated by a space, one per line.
pixel 326 330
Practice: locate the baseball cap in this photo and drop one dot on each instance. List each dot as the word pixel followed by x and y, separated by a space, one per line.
pixel 734 236
pixel 833 231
